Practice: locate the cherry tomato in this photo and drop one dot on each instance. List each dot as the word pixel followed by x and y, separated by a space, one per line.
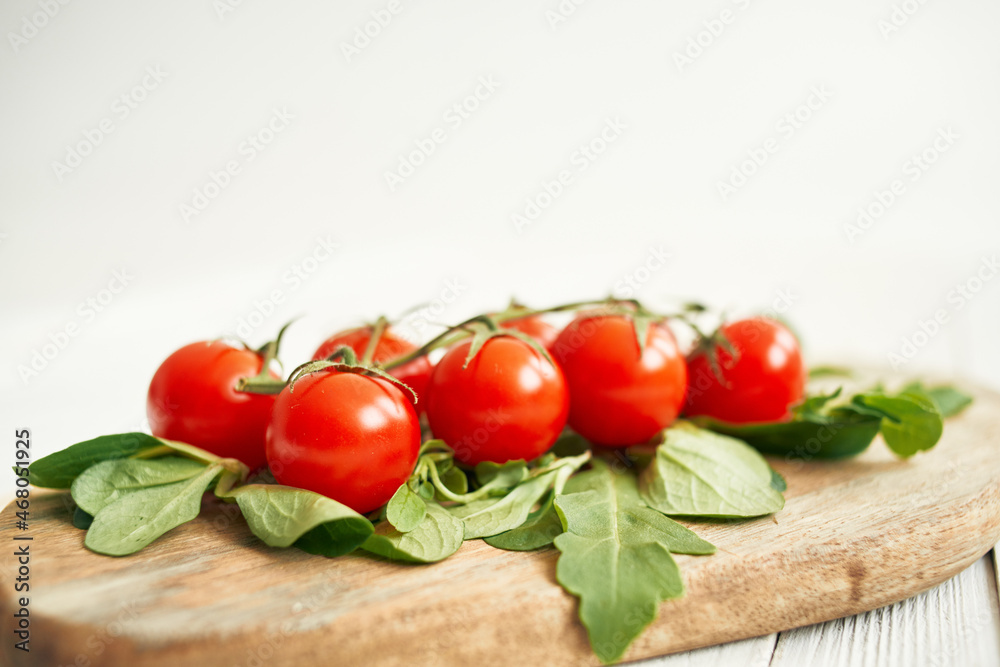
pixel 619 397
pixel 390 346
pixel 765 379
pixel 535 327
pixel 347 436
pixel 509 403
pixel 193 399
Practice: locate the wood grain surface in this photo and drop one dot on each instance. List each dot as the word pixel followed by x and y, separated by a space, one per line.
pixel 854 536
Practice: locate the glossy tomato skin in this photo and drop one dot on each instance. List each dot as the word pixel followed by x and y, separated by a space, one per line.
pixel 619 397
pixel 767 377
pixel 535 327
pixel 349 437
pixel 390 346
pixel 509 403
pixel 192 398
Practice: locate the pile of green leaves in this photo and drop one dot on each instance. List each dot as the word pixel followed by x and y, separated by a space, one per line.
pixel 610 517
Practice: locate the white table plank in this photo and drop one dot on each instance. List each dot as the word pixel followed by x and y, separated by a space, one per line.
pixel 956 624
pixel 754 652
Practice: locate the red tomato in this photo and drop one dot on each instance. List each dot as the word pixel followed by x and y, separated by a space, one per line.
pixel 619 397
pixel 193 399
pixel 350 437
pixel 535 327
pixel 414 374
pixel 765 379
pixel 509 403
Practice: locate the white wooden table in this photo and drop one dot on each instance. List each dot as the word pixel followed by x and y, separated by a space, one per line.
pixel 956 624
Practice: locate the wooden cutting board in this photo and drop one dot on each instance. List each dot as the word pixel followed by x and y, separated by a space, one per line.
pixel 854 535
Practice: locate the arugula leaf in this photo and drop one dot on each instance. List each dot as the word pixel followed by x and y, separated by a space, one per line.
pixel 500 476
pixel 131 522
pixel 58 470
pixel 830 371
pixel 841 434
pixel 104 482
pixel 948 400
pixel 81 519
pixel 700 473
pixel 455 481
pixel 438 536
pixel 538 530
pixel 405 509
pixel 778 482
pixel 282 516
pixel 484 518
pixel 911 423
pixel 615 556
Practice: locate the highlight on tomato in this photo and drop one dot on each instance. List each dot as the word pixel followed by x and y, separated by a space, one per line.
pixel 620 395
pixel 759 380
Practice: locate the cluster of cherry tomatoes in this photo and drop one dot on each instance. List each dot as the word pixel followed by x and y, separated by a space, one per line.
pixel 355 436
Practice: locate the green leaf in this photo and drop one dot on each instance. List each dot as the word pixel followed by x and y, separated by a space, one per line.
pixel 778 482
pixel 107 481
pixel 948 400
pixel 830 371
pixel 81 519
pixel 491 517
pixel 911 422
pixel 838 433
pixel 438 536
pixel 538 530
pixel 134 520
pixel 406 509
pixel 615 556
pixel 282 516
pixel 455 481
pixel 497 516
pixel 700 473
pixel 58 470
pixel 501 476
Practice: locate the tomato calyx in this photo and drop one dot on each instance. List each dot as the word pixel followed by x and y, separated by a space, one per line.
pixel 708 345
pixel 263 382
pixel 345 360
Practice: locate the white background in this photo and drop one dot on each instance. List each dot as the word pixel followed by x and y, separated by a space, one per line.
pixel 686 127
